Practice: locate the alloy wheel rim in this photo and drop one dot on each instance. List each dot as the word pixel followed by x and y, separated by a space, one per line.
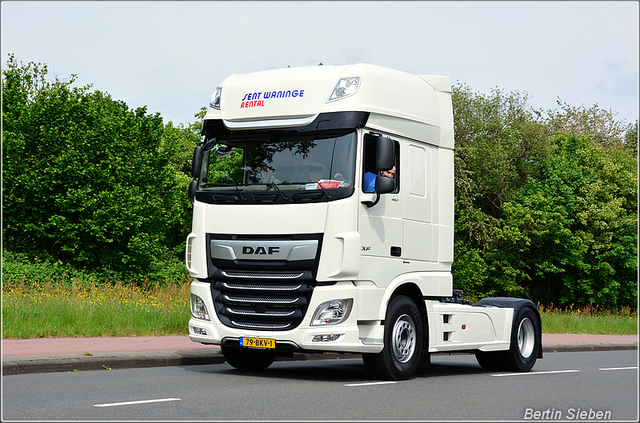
pixel 526 338
pixel 404 338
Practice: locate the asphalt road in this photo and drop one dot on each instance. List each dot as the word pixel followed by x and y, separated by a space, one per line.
pixel 565 386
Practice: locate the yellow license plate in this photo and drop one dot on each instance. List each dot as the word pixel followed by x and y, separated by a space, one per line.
pixel 257 342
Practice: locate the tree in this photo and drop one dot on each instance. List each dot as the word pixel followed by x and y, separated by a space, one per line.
pixel 86 180
pixel 568 236
pixel 540 212
pixel 582 121
pixel 499 145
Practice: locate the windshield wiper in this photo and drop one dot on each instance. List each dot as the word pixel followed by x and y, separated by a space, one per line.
pixel 234 185
pixel 280 191
pixel 229 178
pixel 325 191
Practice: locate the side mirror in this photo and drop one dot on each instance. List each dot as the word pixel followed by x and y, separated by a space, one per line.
pixel 196 162
pixel 385 185
pixel 385 154
pixel 192 189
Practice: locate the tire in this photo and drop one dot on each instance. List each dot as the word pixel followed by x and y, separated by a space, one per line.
pixel 526 339
pixel 247 359
pixel 403 336
pixel 525 346
pixel 492 362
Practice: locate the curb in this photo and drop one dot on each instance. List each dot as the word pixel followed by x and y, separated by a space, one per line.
pixel 120 361
pixel 203 357
pixel 588 347
pixel 126 361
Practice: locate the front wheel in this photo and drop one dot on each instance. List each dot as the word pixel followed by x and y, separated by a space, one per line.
pixel 402 350
pixel 247 359
pixel 525 346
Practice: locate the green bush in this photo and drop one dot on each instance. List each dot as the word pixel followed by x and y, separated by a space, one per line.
pixel 88 182
pixel 544 210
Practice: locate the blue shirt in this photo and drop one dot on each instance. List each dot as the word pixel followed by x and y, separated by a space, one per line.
pixel 370 182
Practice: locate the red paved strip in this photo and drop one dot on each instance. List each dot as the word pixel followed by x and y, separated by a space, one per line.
pixel 41 346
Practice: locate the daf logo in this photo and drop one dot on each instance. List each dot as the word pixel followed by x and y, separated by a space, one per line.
pixel 288 250
pixel 260 250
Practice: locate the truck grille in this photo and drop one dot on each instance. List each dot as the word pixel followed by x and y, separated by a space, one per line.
pixel 262 282
pixel 262 300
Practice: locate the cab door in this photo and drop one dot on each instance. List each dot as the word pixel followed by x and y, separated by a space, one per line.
pixel 380 225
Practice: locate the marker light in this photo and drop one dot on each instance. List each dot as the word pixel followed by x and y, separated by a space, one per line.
pixel 332 312
pixel 215 99
pixel 198 309
pixel 344 88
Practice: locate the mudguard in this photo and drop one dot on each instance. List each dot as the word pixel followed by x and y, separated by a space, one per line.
pixel 516 304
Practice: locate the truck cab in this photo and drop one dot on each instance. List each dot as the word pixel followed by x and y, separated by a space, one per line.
pixel 300 243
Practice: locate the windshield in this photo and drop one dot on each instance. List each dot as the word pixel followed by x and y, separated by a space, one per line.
pixel 278 168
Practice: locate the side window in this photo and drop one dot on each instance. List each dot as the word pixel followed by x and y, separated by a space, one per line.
pixel 369 166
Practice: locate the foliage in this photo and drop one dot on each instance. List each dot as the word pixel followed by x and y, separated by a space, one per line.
pixel 498 144
pixel 592 121
pixel 560 225
pixel 87 181
pixel 571 232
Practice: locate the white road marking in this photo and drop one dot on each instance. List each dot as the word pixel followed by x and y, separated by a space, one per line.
pixel 536 373
pixel 115 404
pixel 369 383
pixel 618 368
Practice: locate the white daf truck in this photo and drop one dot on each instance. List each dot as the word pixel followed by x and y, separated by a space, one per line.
pixel 300 244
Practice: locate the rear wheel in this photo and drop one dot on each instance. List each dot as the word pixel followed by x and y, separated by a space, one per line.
pixel 525 346
pixel 492 361
pixel 403 335
pixel 247 359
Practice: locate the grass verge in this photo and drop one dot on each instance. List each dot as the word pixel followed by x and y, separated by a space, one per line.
pixel 59 310
pixel 73 310
pixel 589 319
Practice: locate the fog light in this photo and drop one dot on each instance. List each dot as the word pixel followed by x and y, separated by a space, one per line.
pixel 332 312
pixel 198 331
pixel 198 309
pixel 326 338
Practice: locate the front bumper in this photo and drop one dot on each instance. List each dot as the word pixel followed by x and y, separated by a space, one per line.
pixel 354 336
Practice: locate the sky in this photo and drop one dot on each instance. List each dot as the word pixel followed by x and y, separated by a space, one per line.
pixel 171 55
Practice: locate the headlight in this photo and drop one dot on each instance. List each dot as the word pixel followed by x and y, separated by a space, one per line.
pixel 332 312
pixel 198 309
pixel 344 88
pixel 215 99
